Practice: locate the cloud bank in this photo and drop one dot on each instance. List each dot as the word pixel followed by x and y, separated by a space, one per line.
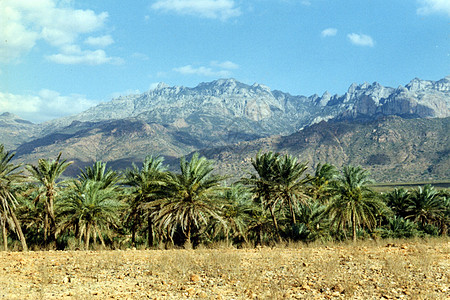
pixel 44 106
pixel 211 9
pixel 25 23
pixel 215 69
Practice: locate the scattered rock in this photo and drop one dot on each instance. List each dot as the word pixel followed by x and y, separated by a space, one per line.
pixel 194 278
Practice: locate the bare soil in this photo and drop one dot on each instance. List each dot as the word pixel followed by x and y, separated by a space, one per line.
pixel 395 270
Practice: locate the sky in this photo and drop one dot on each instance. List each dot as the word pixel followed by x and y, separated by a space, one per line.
pixel 59 58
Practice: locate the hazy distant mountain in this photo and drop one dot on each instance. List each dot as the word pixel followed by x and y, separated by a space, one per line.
pixel 15 131
pixel 174 121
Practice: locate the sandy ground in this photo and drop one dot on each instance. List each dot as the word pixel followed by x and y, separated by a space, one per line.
pixel 407 270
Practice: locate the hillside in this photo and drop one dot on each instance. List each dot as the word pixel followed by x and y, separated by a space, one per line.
pixel 391 148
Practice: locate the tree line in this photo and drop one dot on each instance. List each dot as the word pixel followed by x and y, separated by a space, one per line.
pixel 149 206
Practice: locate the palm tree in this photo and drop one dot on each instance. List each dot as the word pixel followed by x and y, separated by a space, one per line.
pixel 192 200
pixel 90 209
pixel 353 202
pixel 398 200
pixel 290 183
pixel 9 176
pixel 312 221
pixel 262 184
pixel 47 173
pixel 321 182
pixel 147 185
pixel 236 213
pixel 425 205
pixel 98 172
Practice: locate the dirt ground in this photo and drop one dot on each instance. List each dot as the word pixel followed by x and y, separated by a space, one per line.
pixel 382 270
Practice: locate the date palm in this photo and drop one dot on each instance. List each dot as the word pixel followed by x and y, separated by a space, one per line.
pixel 147 184
pixel 398 200
pixel 290 183
pixel 192 198
pixel 321 182
pixel 90 209
pixel 8 177
pixel 47 173
pixel 353 202
pixel 236 213
pixel 107 178
pixel 262 183
pixel 425 205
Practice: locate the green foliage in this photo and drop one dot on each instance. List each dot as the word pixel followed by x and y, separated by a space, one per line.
pixel 353 202
pixel 147 185
pixel 9 176
pixel 398 227
pixel 89 209
pixel 192 199
pixel 425 205
pixel 47 173
pixel 277 201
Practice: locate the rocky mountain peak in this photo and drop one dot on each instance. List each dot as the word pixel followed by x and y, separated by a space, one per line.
pixel 160 86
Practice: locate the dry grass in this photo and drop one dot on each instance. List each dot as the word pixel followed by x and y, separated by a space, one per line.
pixel 367 270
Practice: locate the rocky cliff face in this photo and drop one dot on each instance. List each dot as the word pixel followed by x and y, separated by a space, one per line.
pixel 419 99
pixel 274 112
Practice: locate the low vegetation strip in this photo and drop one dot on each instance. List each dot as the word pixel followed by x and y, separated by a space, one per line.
pixel 392 269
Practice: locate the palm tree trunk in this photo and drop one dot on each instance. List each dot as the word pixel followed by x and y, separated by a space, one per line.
pixel 275 223
pixel 149 232
pixel 188 241
pixel 19 231
pixel 51 213
pixel 4 234
pixel 291 209
pixel 133 231
pixel 100 237
pixel 46 227
pixel 86 242
pixel 354 226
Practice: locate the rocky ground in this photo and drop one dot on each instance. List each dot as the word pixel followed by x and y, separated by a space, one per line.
pixel 376 270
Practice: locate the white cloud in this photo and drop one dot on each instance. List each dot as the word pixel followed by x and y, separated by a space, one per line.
pixel 212 9
pixel 100 41
pixel 140 56
pixel 434 6
pixel 97 57
pixel 329 32
pixel 225 65
pixel 361 39
pixel 215 69
pixel 44 106
pixel 26 22
pixel 202 71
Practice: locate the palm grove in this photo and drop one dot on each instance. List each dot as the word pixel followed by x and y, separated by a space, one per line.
pixel 149 206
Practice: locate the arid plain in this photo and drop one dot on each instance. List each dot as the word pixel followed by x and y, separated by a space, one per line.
pixel 366 270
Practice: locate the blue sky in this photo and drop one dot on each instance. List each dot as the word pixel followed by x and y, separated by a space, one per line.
pixel 61 57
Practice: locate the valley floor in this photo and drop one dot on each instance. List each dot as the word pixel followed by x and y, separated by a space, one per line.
pixel 367 270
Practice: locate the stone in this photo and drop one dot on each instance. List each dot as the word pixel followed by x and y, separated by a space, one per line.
pixel 194 278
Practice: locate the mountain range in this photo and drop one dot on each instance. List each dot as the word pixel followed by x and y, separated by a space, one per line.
pixel 223 114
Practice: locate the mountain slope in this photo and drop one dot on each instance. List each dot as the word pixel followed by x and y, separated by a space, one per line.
pixel 391 148
pixel 15 131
